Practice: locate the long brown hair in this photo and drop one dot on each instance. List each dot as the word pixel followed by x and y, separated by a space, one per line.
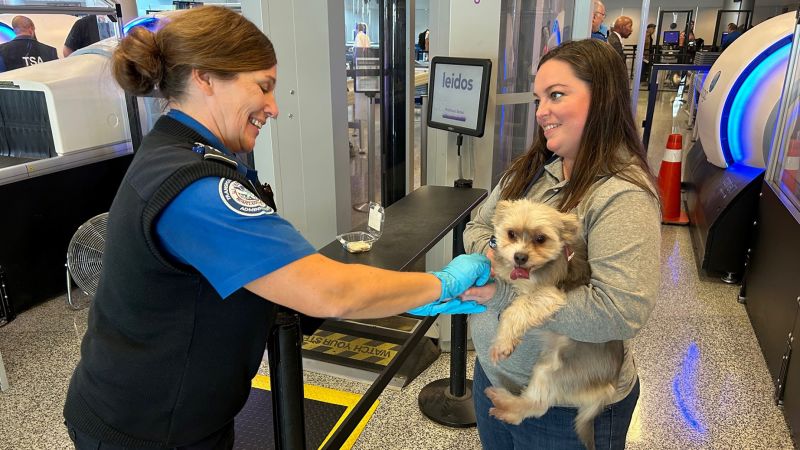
pixel 609 145
pixel 209 38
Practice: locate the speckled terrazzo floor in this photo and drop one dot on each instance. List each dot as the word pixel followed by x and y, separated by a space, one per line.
pixel 704 382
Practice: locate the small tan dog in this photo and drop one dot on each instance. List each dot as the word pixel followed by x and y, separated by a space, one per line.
pixel 541 252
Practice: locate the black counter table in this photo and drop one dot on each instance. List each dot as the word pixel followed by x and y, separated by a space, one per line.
pixel 413 225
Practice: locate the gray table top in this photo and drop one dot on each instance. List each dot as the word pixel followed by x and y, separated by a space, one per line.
pixel 413 225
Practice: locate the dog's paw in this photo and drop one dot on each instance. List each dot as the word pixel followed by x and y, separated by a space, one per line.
pixel 507 407
pixel 506 416
pixel 501 349
pixel 500 397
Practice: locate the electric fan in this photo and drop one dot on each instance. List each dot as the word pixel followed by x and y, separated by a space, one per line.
pixel 84 258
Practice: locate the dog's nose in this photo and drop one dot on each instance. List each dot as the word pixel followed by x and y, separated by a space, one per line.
pixel 520 258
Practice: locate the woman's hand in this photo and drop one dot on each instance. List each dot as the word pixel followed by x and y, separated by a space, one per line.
pixel 490 255
pixel 480 294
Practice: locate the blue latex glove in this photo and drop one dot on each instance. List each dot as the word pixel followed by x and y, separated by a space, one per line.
pixel 454 306
pixel 462 273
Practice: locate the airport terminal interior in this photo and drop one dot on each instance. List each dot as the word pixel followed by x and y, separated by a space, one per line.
pixel 716 107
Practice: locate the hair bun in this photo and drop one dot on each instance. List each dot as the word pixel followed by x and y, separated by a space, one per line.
pixel 137 63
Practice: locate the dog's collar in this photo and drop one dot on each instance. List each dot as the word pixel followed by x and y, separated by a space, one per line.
pixel 569 253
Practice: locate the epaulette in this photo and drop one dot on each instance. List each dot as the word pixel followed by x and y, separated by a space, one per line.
pixel 212 154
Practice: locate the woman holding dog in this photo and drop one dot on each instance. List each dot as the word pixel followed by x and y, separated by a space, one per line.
pixel 586 159
pixel 196 257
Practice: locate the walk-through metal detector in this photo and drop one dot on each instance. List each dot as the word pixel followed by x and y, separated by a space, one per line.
pixel 673 20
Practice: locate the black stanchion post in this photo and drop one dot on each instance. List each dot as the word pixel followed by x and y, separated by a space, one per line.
pixel 458 356
pixel 458 325
pixel 286 378
pixel 449 401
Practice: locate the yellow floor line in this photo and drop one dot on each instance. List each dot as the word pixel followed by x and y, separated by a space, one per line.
pixel 326 395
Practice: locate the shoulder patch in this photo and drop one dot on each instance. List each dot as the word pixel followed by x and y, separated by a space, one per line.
pixel 240 200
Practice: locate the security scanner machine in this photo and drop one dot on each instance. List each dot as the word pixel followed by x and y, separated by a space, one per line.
pixel 736 117
pixel 64 148
pixel 770 288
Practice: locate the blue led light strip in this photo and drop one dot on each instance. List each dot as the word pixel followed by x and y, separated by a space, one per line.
pixel 147 22
pixel 734 130
pixel 6 33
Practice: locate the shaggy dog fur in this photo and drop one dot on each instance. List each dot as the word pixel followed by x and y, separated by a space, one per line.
pixel 541 252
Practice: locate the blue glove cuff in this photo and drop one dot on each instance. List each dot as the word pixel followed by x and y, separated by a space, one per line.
pixel 440 276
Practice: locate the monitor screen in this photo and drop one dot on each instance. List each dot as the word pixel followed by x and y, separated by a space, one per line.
pixel 672 37
pixel 459 91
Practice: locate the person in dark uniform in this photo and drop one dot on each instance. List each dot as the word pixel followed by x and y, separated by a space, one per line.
pixel 86 31
pixel 734 32
pixel 24 50
pixel 196 257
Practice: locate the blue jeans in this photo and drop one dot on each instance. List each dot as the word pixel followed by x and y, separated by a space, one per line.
pixel 554 430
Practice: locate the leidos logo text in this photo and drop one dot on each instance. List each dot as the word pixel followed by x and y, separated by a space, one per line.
pixel 456 82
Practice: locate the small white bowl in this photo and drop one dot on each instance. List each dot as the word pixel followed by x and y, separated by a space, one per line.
pixel 356 241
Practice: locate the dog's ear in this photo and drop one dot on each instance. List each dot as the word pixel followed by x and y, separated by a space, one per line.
pixel 500 211
pixel 571 229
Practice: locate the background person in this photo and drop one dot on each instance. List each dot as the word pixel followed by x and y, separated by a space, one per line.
pixel 598 15
pixel 86 31
pixel 179 324
pixel 24 50
pixel 623 27
pixel 588 159
pixel 362 39
pixel 647 57
pixel 733 34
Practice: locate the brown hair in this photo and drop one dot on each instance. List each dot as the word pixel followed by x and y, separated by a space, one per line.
pixel 209 38
pixel 609 144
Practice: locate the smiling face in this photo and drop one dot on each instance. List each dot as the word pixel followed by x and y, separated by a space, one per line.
pixel 240 106
pixel 563 105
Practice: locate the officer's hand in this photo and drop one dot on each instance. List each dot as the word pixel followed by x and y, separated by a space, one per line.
pixel 454 306
pixel 463 272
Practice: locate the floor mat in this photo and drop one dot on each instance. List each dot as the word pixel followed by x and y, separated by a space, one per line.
pixel 324 410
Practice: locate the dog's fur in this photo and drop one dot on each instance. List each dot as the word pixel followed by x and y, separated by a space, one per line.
pixel 536 238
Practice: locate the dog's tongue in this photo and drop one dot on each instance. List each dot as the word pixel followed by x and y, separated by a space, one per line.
pixel 519 272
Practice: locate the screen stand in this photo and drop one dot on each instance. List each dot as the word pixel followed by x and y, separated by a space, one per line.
pixel 364 207
pixel 461 182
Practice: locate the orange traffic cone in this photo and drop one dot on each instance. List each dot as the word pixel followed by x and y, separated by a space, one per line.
pixel 669 182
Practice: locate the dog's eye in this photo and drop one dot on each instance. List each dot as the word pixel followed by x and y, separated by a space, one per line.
pixel 540 238
pixel 512 235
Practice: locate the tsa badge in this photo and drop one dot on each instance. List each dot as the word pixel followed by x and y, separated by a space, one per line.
pixel 240 200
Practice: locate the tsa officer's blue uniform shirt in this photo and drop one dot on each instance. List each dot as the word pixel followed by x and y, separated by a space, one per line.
pixel 224 231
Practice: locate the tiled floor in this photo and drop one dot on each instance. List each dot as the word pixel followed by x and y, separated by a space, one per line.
pixel 704 381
